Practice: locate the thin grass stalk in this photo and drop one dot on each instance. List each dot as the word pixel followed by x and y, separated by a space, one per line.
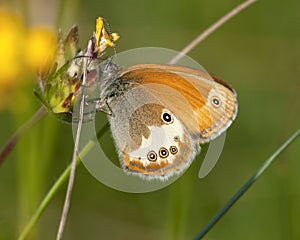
pixel 246 186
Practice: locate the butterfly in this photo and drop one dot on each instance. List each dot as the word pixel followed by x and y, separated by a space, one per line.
pixel 160 115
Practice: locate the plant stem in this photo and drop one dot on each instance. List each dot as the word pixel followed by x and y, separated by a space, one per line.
pixel 9 146
pixel 66 207
pixel 211 29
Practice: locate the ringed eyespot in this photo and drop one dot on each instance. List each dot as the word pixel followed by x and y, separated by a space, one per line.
pixel 216 102
pixel 166 117
pixel 173 150
pixel 163 152
pixel 176 139
pixel 152 156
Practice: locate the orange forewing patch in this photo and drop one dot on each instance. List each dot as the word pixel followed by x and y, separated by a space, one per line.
pixel 188 82
pixel 187 90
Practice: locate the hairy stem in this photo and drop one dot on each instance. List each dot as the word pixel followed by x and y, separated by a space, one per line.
pixel 75 153
pixel 211 29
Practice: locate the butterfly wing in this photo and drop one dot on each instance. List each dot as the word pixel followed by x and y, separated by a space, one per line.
pixel 151 141
pixel 206 104
pixel 198 105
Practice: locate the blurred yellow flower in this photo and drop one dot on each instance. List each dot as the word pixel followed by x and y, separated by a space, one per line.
pixel 23 52
pixel 11 40
pixel 40 48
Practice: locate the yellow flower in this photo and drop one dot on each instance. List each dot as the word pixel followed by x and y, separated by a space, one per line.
pixel 11 35
pixel 23 52
pixel 40 49
pixel 104 38
pixel 11 31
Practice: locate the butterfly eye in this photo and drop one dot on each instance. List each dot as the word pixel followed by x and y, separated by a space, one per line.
pixel 152 156
pixel 216 102
pixel 163 152
pixel 166 117
pixel 173 150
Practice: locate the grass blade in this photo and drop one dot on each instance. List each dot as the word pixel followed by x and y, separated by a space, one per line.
pixel 246 186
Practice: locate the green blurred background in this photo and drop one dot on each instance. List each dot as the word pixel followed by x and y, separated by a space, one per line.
pixel 257 52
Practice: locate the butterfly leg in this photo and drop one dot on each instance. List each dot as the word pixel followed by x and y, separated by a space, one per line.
pixel 102 106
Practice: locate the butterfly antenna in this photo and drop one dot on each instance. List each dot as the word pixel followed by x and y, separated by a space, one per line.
pixel 110 35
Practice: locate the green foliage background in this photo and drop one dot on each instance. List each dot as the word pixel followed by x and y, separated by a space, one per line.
pixel 257 52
